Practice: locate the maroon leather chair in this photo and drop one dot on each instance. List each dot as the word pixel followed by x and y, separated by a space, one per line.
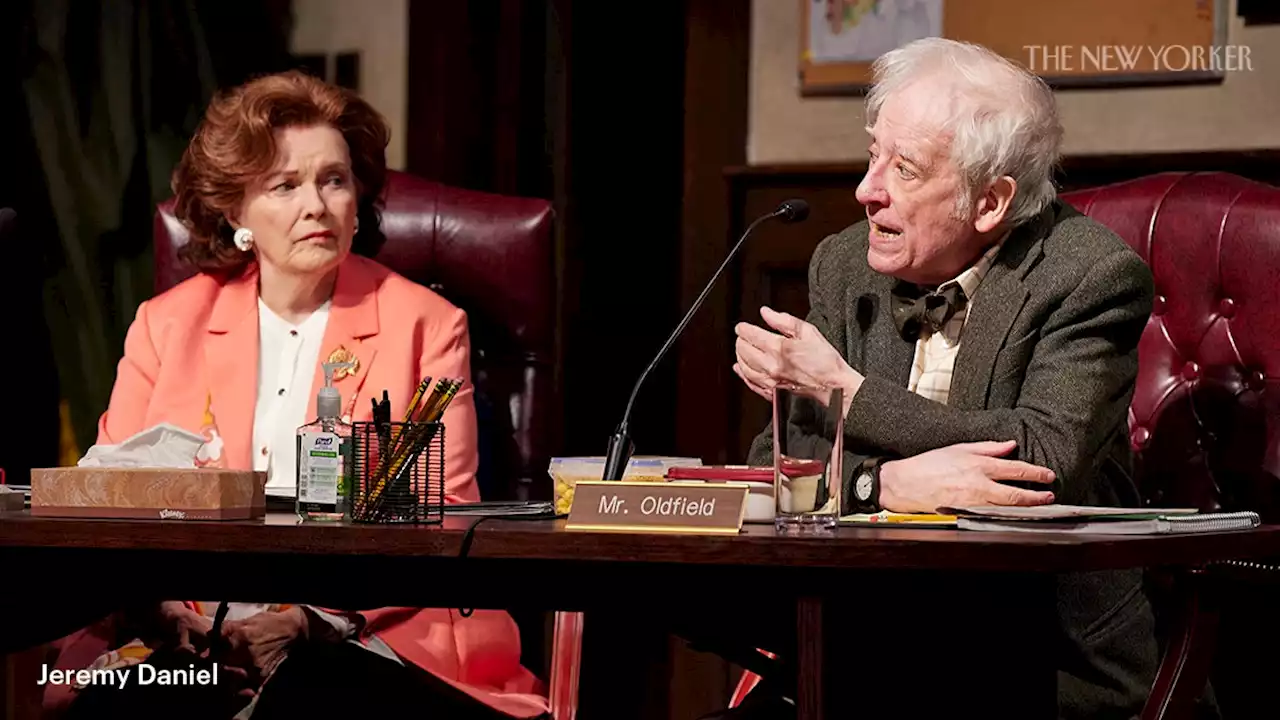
pixel 1203 426
pixel 493 257
pixel 1204 423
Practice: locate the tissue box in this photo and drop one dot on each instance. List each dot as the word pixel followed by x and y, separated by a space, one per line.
pixel 152 493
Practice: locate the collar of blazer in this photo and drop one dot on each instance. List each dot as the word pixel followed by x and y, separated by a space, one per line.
pixel 999 300
pixel 231 348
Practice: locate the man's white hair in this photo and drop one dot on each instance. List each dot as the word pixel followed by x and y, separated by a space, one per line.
pixel 1003 119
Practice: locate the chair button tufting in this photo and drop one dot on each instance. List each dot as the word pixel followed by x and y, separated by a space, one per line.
pixel 1226 307
pixel 1256 381
pixel 1158 305
pixel 1139 438
pixel 1190 371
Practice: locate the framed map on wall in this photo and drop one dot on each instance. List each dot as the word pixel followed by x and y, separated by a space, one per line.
pixel 1070 43
pixel 857 31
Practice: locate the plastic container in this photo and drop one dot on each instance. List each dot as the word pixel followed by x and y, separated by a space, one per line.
pixel 567 472
pixel 759 481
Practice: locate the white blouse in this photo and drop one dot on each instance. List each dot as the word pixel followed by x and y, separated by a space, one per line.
pixel 287 359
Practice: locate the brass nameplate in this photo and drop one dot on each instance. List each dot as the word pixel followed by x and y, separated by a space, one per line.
pixel 658 507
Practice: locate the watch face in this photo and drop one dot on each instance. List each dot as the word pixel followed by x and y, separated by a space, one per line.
pixel 863 487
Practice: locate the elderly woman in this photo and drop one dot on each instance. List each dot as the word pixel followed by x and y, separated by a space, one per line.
pixel 279 189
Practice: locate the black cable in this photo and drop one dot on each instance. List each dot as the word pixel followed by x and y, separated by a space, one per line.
pixel 469 536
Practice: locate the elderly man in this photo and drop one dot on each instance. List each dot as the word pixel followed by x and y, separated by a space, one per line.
pixel 982 331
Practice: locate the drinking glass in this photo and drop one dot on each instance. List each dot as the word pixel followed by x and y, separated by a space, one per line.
pixel 808 451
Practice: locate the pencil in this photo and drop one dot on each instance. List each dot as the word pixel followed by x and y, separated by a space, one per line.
pixel 437 394
pixel 403 447
pixel 417 398
pixel 419 437
pixel 442 403
pixel 415 435
pixel 911 517
pixel 389 452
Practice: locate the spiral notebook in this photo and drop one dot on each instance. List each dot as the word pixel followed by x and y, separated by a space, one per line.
pixel 1116 524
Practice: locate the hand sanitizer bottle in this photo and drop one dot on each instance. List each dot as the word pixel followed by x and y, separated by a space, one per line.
pixel 324 450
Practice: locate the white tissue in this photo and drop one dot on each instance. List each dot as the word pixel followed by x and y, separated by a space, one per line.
pixel 163 445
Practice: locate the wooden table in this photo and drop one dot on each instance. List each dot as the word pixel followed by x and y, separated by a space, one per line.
pixel 538 563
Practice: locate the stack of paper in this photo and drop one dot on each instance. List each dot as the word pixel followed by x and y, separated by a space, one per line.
pixel 1098 520
pixel 503 508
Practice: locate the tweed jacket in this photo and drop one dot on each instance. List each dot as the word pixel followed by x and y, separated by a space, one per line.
pixel 1049 356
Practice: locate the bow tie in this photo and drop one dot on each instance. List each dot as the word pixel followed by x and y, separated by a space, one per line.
pixel 914 310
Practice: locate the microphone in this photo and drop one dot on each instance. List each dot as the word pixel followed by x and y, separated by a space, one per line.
pixel 620 445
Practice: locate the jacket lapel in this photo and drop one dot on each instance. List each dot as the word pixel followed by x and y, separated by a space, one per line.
pixel 231 362
pixel 352 327
pixel 999 299
pixel 872 333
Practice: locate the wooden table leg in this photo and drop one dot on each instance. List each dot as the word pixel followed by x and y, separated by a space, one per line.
pixel 1188 659
pixel 810 697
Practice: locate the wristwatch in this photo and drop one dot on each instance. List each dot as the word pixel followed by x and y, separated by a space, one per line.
pixel 866 486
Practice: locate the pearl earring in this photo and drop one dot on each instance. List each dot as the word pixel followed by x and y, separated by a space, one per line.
pixel 357 227
pixel 243 239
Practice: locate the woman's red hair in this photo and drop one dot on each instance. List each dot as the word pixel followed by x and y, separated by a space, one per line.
pixel 235 145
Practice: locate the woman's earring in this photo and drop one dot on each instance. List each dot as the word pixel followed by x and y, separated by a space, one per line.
pixel 357 227
pixel 243 239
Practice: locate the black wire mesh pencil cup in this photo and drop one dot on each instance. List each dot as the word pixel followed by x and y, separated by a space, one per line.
pixel 396 473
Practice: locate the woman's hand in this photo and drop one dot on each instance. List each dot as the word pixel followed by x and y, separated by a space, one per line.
pixel 262 641
pixel 183 626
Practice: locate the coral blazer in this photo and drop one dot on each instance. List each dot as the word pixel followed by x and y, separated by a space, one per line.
pixel 194 349
pixel 192 352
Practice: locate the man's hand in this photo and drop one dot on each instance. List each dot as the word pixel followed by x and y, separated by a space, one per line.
pixel 960 475
pixel 262 640
pixel 799 355
pixel 183 626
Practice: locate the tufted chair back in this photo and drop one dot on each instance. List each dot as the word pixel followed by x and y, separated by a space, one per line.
pixel 1204 423
pixel 492 256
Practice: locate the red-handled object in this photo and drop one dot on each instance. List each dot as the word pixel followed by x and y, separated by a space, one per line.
pixel 723 473
pixel 746 473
